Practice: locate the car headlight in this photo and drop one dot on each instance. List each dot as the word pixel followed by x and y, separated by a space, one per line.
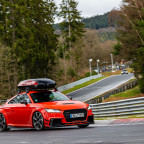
pixel 88 107
pixel 53 111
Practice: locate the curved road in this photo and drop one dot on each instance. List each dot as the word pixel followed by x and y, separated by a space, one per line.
pixel 100 87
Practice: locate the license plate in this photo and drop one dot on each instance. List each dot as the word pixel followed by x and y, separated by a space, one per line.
pixel 77 115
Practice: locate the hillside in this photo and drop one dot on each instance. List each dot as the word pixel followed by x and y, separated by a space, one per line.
pixel 99 21
pixel 104 24
pixel 108 33
pixel 96 22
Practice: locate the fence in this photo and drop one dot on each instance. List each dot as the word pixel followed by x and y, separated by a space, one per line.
pixel 71 85
pixel 119 108
pixel 106 95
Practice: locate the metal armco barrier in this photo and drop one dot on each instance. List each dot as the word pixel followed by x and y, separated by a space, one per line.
pixel 106 95
pixel 3 100
pixel 71 85
pixel 119 108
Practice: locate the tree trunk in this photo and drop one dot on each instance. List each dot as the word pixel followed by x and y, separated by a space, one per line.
pixel 70 45
pixel 13 24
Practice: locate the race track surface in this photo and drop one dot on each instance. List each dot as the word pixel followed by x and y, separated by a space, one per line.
pixel 94 134
pixel 100 87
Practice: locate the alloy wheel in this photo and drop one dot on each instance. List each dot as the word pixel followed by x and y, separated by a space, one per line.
pixel 38 122
pixel 3 125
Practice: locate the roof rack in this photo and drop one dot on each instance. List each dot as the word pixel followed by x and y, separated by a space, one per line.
pixel 41 83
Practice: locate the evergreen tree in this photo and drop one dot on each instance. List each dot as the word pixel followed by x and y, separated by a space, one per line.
pixel 30 34
pixel 72 26
pixel 35 51
pixel 26 28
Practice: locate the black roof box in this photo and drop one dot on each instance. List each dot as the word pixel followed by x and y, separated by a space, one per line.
pixel 41 83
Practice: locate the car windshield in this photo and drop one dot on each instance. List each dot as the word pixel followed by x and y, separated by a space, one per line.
pixel 48 96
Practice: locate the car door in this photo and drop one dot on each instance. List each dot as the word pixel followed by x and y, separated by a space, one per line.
pixel 9 109
pixel 19 114
pixel 22 112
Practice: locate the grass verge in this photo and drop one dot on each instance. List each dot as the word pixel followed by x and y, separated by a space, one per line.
pixel 83 85
pixel 132 93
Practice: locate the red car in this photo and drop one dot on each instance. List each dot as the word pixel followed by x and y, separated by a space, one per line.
pixel 41 108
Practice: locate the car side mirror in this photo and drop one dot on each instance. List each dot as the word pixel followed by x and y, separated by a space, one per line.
pixel 24 102
pixel 70 97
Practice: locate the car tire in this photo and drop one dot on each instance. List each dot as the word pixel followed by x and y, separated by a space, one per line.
pixel 83 126
pixel 38 121
pixel 3 124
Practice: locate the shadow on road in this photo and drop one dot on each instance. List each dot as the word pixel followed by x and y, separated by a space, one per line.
pixel 17 130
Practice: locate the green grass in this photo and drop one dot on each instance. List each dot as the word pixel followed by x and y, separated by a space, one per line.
pixel 129 93
pixel 83 85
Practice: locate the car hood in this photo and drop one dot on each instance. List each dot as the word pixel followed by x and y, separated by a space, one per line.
pixel 63 105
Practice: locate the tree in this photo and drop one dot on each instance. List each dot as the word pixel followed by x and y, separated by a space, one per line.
pixel 113 17
pixel 35 52
pixel 72 27
pixel 131 35
pixel 26 28
pixel 30 33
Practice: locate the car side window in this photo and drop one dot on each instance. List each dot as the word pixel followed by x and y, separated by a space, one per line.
pixel 19 99
pixel 13 101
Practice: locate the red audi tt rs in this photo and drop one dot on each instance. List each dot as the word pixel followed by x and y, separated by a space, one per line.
pixel 35 106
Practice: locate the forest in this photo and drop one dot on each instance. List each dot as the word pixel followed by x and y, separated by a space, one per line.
pixel 30 48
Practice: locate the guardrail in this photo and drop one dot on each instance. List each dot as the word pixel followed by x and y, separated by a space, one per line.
pixel 71 85
pixel 119 108
pixel 117 90
pixel 2 101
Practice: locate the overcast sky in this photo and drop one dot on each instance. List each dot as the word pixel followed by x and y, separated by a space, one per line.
pixel 90 8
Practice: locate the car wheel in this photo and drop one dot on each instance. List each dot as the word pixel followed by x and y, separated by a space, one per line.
pixel 83 126
pixel 38 121
pixel 3 125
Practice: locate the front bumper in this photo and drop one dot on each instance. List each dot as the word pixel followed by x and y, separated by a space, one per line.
pixel 59 120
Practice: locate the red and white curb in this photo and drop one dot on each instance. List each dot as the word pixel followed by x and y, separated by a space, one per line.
pixel 131 121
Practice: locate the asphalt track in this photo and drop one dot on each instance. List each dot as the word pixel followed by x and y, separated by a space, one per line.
pixel 100 87
pixel 94 134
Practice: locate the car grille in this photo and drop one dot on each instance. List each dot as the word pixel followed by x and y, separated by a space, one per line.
pixel 75 111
